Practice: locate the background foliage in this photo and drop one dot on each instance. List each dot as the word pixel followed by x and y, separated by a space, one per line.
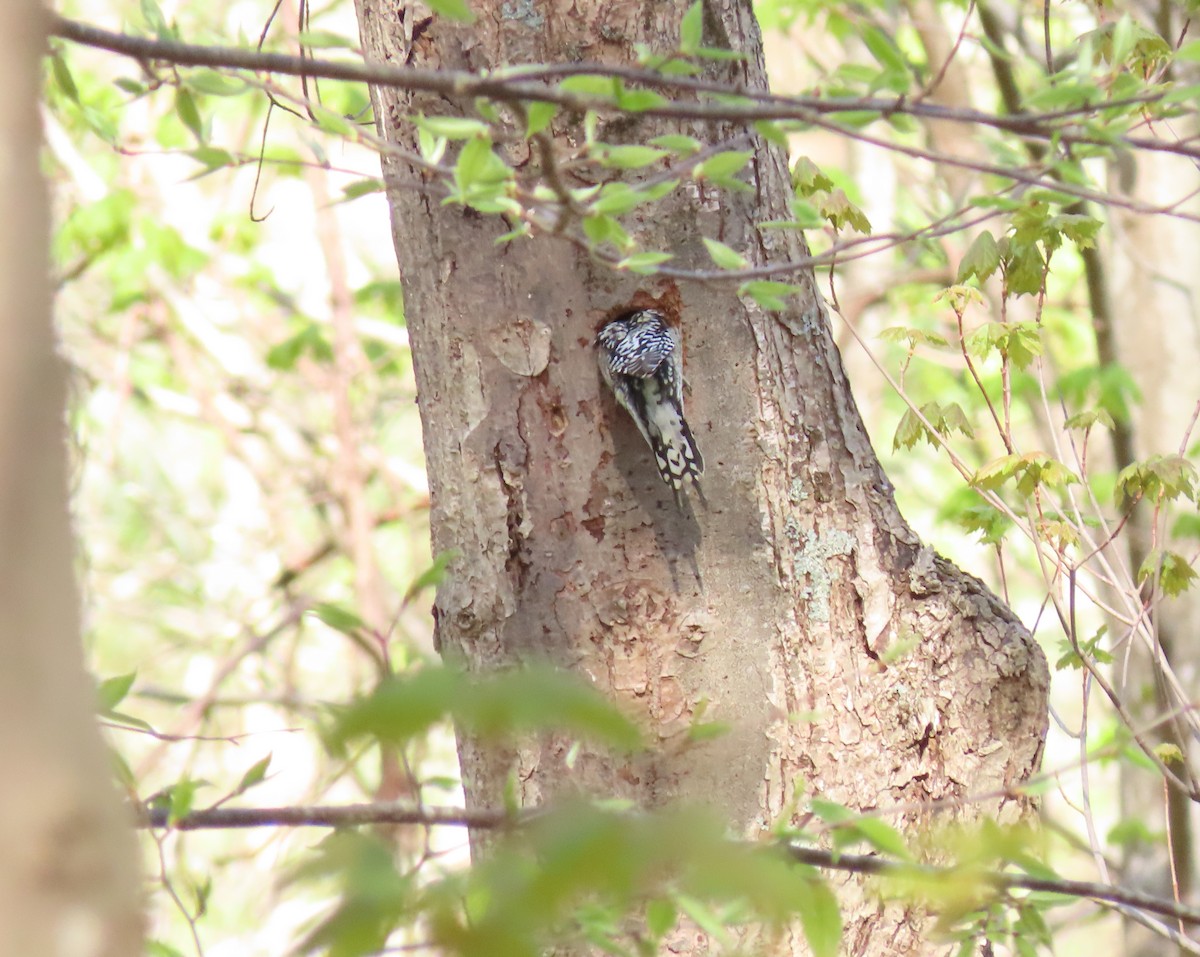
pixel 252 504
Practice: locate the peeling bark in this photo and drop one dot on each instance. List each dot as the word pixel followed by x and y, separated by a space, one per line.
pixel 775 607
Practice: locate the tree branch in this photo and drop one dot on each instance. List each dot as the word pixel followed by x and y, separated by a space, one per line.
pixel 347 815
pixel 515 85
pixel 869 864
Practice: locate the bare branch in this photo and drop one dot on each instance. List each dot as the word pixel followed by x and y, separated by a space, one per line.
pixel 348 815
pixel 869 864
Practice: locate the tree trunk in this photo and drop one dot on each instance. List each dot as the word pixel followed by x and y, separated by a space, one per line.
pixel 776 606
pixel 68 876
pixel 1156 337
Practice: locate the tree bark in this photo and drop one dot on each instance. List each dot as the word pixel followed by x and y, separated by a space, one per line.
pixel 773 609
pixel 68 877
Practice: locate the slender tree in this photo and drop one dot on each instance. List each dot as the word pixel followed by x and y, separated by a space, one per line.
pixel 68 881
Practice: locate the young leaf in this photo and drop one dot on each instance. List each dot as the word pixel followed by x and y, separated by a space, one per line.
pixel 627 157
pixel 808 179
pixel 661 917
pixel 691 29
pixel 495 706
pixel 644 264
pixel 452 127
pixel 721 167
pixel 724 256
pixel 433 576
pixel 339 618
pixel 214 83
pixel 769 294
pixel 821 919
pixel 1175 575
pixel 62 75
pixel 980 260
pixel 185 109
pixel 255 775
pixel 1090 419
pixel 638 101
pixel 538 117
pixel 453 9
pixel 678 143
pixel 112 691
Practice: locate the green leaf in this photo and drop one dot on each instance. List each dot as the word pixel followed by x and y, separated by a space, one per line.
pixel 721 167
pixel 913 337
pixel 644 264
pixel 181 798
pixel 373 896
pixel 1031 470
pixel 831 812
pixel 808 179
pixel 1189 52
pixel 453 127
pixel 638 101
pixel 433 576
pixel 189 115
pixel 482 179
pixel 214 83
pixel 62 75
pixel 255 775
pixel 330 121
pixel 1070 658
pixel 883 837
pixel 453 9
pixel 821 919
pixel 769 294
pixel 339 618
pixel 1090 419
pixel 364 187
pixel 678 67
pixel 112 691
pixel 626 157
pixel 691 29
pixel 1173 572
pixel 678 143
pixel 589 84
pixel 604 229
pixel 1158 478
pixel 615 199
pixel 1168 753
pixel 980 260
pixel 538 117
pixel 661 917
pixel 1016 342
pixel 155 21
pixel 493 706
pixel 212 157
pixel 943 419
pixel 719 53
pixel 703 917
pixel 724 256
pixel 836 207
pixel 325 40
pixel 883 49
pixel 772 132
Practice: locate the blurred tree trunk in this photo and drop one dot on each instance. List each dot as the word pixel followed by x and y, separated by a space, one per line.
pixel 68 877
pixel 776 608
pixel 1154 269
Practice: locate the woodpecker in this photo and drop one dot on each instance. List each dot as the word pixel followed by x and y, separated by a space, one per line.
pixel 641 359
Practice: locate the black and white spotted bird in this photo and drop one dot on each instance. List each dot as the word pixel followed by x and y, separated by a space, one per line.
pixel 641 359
